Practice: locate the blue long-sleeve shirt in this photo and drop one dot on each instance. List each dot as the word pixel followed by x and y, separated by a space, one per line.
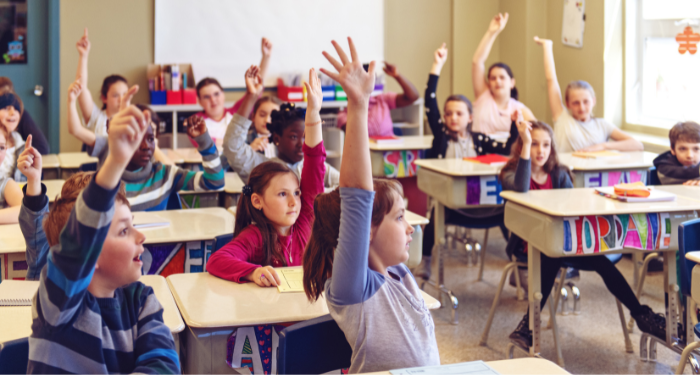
pixel 75 332
pixel 384 319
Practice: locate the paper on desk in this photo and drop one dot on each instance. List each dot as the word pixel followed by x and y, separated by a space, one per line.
pixel 471 368
pixel 149 220
pixel 655 196
pixel 292 280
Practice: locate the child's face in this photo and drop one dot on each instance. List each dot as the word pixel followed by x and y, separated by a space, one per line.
pixel 144 153
pixel 457 116
pixel 281 200
pixel 580 104
pixel 262 117
pixel 541 147
pixel 212 99
pixel 9 118
pixel 391 239
pixel 500 82
pixel 290 143
pixel 3 147
pixel 114 96
pixel 120 262
pixel 687 153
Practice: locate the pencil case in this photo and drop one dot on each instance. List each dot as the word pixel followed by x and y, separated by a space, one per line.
pixel 635 189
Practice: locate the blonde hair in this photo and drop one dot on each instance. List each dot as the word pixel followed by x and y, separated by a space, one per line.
pixel 578 85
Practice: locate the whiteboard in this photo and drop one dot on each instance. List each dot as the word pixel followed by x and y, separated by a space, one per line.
pixel 221 38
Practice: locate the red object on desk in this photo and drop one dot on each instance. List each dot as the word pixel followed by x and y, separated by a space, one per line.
pixel 385 139
pixel 491 159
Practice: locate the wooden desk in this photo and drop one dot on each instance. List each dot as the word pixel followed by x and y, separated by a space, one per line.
pixel 232 190
pixel 15 322
pixel 519 366
pixel 173 155
pixel 71 161
pixel 578 222
pixel 51 166
pixel 186 243
pixel 53 189
pixel 609 171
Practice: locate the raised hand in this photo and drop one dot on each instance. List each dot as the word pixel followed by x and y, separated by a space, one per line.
pixel 543 42
pixel 440 56
pixel 253 80
pixel 266 47
pixel 83 44
pixel 525 128
pixel 314 94
pixel 126 98
pixel 195 126
pixel 74 90
pixel 29 163
pixel 390 69
pixel 126 130
pixel 260 144
pixel 498 23
pixel 356 83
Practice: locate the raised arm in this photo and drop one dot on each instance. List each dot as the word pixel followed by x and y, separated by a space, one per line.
pixel 482 53
pixel 212 178
pixel 266 48
pixel 75 128
pixel 410 93
pixel 519 179
pixel 432 109
pixel 85 99
pixel 550 73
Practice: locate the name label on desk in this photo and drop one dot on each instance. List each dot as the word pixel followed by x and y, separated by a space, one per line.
pixel 612 178
pixel 483 190
pixel 594 234
pixel 401 163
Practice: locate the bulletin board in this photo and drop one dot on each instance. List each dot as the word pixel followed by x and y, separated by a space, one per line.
pixel 574 23
pixel 221 38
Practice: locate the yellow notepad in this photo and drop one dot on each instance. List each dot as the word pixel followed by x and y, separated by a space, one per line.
pixel 595 154
pixel 291 279
pixel 17 292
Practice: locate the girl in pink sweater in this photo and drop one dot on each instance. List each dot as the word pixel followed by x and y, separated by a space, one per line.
pixel 275 211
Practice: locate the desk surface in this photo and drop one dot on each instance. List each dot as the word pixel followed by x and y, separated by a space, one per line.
pixel 458 167
pixel 173 155
pixel 234 184
pixel 53 188
pixel 171 315
pixel 519 366
pixel 689 192
pixel 73 160
pixel 50 161
pixel 626 160
pixel 409 142
pixel 189 155
pixel 11 239
pixel 584 201
pixel 195 224
pixel 693 256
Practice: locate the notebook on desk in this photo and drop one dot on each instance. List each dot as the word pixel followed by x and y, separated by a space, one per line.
pixel 17 292
pixel 291 280
pixel 470 368
pixel 149 220
pixel 596 154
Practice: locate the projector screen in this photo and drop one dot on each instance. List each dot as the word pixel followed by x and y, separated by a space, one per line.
pixel 221 38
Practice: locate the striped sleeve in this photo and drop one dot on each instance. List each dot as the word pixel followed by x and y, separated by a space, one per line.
pixel 212 178
pixel 154 348
pixel 71 262
pixel 31 215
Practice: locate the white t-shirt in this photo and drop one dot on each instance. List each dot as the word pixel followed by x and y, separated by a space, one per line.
pixel 7 167
pixel 217 129
pixel 98 121
pixel 572 135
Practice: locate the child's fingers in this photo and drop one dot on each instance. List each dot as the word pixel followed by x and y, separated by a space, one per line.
pixel 85 33
pixel 353 50
pixel 443 46
pixel 276 279
pixel 341 54
pixel 333 76
pixel 338 66
pixel 372 66
pixel 28 144
pixel 34 153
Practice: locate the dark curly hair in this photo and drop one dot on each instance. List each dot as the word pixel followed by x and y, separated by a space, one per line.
pixel 287 115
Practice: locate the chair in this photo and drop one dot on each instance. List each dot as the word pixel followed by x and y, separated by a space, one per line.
pixel 222 240
pixel 315 346
pixel 14 356
pixel 688 240
pixel 653 177
pixel 174 202
pixel 474 223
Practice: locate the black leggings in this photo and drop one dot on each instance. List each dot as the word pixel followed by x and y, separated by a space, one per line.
pixel 613 279
pixel 453 217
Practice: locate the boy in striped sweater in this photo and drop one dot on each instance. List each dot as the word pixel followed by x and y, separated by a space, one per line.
pixel 91 315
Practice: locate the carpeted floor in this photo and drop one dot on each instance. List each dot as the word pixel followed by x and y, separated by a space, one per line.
pixel 592 342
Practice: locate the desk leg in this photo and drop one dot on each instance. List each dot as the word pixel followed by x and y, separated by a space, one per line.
pixel 672 293
pixel 439 222
pixel 534 296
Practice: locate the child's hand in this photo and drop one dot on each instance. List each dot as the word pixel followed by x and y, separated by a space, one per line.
pixel 543 42
pixel 524 128
pixel 253 80
pixel 313 92
pixel 195 126
pixel 440 56
pixel 264 277
pixel 83 44
pixel 126 98
pixel 391 70
pixel 126 130
pixel 516 116
pixel 356 83
pixel 692 183
pixel 74 90
pixel 29 162
pixel 260 144
pixel 266 47
pixel 498 23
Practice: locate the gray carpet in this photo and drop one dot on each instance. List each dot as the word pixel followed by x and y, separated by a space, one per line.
pixel 592 342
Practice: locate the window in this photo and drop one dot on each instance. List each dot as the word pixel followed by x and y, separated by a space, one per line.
pixel 662 85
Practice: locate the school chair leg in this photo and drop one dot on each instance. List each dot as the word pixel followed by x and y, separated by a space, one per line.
pixel 555 331
pixel 640 285
pixel 688 355
pixel 519 291
pixel 439 284
pixel 512 266
pixel 483 255
pixel 576 293
pixel 643 347
pixel 554 297
pixel 625 332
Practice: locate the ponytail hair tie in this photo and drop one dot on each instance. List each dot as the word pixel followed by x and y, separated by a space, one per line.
pixel 247 190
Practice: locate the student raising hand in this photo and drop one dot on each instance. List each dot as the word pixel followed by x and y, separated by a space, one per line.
pixel 313 133
pixel 83 44
pixel 266 47
pixel 195 126
pixel 29 163
pixel 356 83
pixel 253 80
pixel 126 130
pixel 498 23
pixel 439 59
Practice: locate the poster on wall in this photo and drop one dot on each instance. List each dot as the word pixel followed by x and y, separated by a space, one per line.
pixel 573 23
pixel 13 31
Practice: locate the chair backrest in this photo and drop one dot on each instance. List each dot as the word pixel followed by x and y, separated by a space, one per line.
pixel 174 202
pixel 688 240
pixel 315 346
pixel 653 177
pixel 222 240
pixel 14 356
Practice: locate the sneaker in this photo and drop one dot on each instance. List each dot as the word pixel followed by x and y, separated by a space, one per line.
pixel 522 336
pixel 650 322
pixel 423 269
pixel 522 272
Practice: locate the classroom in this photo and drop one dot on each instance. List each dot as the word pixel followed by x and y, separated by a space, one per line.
pixel 350 186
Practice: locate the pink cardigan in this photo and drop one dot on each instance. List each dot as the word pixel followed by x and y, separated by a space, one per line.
pixel 243 254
